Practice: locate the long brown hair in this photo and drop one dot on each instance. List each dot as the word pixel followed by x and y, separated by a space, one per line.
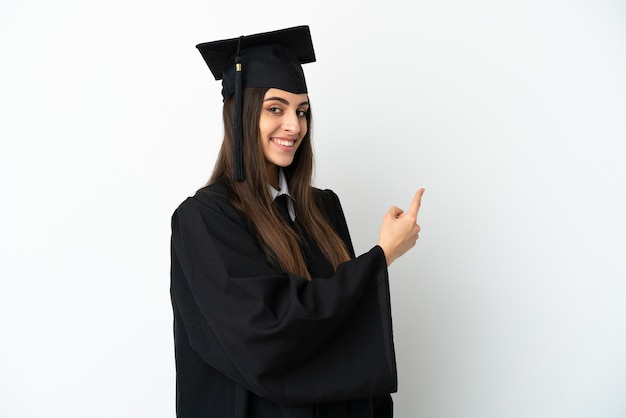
pixel 252 196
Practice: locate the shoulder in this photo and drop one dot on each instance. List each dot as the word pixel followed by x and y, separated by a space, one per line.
pixel 215 193
pixel 325 197
pixel 212 199
pixel 329 204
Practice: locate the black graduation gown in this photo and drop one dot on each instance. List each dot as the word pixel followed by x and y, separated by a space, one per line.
pixel 252 341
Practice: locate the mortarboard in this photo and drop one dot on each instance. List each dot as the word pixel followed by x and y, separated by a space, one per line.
pixel 269 59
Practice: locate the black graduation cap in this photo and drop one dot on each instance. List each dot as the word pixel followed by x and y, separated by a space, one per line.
pixel 269 59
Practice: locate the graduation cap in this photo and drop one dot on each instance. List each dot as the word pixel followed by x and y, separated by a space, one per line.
pixel 269 59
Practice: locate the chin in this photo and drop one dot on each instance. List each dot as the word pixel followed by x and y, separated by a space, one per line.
pixel 284 164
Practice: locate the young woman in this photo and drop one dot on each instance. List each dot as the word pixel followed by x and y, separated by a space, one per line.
pixel 274 316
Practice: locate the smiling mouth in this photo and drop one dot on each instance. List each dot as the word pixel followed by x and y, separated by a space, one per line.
pixel 283 142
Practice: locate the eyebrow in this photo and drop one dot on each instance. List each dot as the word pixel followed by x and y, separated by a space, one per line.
pixel 280 99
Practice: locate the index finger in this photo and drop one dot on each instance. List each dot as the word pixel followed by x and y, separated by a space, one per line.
pixel 416 203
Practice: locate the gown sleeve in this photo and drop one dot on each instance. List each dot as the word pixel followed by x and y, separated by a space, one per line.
pixel 286 339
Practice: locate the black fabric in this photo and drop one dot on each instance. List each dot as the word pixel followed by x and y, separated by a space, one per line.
pixel 255 342
pixel 282 201
pixel 269 59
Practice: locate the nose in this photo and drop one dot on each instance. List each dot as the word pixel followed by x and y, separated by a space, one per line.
pixel 291 123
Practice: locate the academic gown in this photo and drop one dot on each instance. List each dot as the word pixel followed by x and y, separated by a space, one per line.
pixel 255 342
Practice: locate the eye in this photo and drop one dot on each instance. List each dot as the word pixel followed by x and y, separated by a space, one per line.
pixel 274 109
pixel 301 113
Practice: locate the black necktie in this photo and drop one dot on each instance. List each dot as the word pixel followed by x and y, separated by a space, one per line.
pixel 283 207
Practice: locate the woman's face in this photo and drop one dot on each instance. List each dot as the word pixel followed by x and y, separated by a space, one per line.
pixel 282 126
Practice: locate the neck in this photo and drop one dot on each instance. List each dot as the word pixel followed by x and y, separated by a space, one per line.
pixel 272 175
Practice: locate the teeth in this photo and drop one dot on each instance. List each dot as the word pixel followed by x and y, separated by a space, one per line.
pixel 283 143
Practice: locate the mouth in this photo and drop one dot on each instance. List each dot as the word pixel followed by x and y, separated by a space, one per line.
pixel 283 142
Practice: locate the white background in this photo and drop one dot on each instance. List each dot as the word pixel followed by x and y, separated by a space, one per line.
pixel 511 114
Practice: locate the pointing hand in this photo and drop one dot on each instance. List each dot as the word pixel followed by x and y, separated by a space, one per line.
pixel 399 230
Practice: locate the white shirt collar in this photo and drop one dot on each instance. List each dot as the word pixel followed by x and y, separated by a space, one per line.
pixel 284 189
